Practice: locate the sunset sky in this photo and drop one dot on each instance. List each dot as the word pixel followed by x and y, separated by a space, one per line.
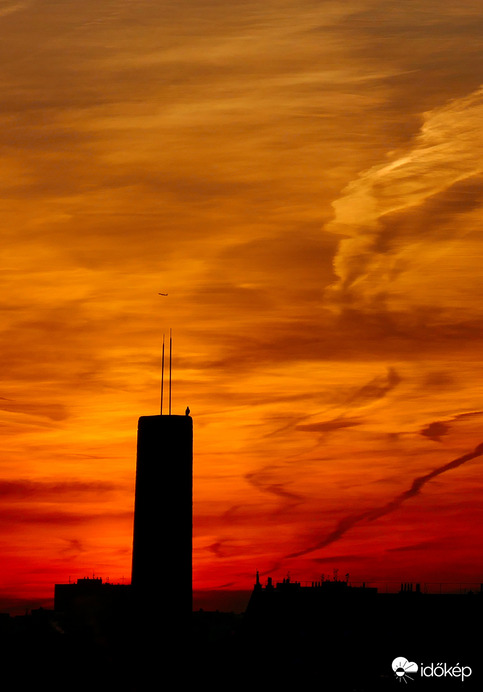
pixel 304 178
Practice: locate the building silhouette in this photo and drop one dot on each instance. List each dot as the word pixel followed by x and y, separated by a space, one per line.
pixel 126 627
pixel 90 592
pixel 161 581
pixel 350 634
pixel 163 515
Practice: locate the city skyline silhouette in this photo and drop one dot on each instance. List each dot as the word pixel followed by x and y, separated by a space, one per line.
pixel 122 633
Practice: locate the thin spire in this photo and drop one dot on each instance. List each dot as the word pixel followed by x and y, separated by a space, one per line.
pixel 170 364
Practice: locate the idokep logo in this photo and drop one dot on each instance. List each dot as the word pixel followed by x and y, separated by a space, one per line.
pixel 402 667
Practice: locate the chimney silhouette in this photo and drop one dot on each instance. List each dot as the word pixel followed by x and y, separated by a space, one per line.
pixel 163 516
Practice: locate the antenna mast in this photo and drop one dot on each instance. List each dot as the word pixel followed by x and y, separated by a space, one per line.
pixel 170 363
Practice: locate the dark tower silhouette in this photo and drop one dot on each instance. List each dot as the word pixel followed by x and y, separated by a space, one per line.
pixel 163 517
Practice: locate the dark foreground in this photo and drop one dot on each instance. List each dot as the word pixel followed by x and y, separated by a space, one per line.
pixel 287 642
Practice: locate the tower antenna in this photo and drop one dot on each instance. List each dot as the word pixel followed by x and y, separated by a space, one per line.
pixel 162 376
pixel 170 363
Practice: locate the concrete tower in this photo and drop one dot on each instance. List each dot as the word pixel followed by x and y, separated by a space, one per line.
pixel 163 515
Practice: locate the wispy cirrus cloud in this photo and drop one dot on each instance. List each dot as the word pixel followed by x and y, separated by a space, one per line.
pixel 55 490
pixel 418 483
pixel 442 170
pixel 267 480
